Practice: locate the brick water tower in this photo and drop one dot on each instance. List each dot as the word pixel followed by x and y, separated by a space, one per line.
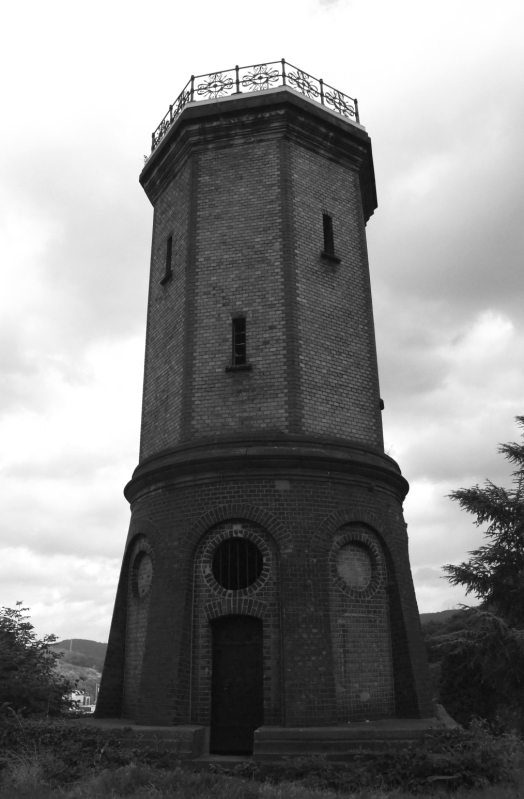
pixel 266 597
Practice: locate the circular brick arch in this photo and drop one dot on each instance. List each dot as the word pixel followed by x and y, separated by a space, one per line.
pixel 138 539
pixel 352 533
pixel 218 536
pixel 141 526
pixel 323 537
pixel 250 513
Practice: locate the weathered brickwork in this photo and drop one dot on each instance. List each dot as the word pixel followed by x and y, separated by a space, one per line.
pixel 238 273
pixel 299 520
pixel 285 454
pixel 339 380
pixel 246 219
pixel 163 374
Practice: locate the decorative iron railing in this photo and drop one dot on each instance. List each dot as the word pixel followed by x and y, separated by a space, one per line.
pixel 255 78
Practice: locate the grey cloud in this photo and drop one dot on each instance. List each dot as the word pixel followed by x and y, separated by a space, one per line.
pixel 72 526
pixel 97 260
pixel 461 240
pixel 428 575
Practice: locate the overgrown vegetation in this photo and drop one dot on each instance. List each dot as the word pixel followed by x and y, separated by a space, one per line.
pixel 29 682
pixel 67 758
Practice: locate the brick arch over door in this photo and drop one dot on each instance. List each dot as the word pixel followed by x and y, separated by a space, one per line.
pixel 251 513
pixel 237 606
pixel 400 608
pixel 212 601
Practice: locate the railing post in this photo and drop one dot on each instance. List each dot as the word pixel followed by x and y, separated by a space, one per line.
pixel 304 83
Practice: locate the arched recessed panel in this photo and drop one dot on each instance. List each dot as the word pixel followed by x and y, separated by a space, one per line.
pixel 360 625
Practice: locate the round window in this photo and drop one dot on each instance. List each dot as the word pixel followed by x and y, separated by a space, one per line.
pixel 237 564
pixel 143 574
pixel 354 566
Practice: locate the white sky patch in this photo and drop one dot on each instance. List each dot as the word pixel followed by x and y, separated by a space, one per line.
pixel 63 470
pixel 446 438
pixel 64 593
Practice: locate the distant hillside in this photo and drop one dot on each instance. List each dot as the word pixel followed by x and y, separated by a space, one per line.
pixel 82 652
pixel 83 645
pixel 441 615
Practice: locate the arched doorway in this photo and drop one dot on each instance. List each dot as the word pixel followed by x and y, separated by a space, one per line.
pixel 237 694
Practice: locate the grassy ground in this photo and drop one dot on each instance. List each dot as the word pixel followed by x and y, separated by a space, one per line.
pixel 48 759
pixel 24 779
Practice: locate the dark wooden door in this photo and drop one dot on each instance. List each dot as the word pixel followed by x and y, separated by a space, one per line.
pixel 237 698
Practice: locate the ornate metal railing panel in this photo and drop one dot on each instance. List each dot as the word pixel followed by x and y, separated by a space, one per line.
pixel 255 78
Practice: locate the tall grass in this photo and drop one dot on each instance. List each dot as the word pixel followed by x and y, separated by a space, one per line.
pixel 23 779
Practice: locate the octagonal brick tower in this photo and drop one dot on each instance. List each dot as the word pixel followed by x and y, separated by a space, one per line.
pixel 266 583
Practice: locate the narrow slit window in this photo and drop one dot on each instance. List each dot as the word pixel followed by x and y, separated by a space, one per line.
pixel 169 254
pixel 329 242
pixel 239 342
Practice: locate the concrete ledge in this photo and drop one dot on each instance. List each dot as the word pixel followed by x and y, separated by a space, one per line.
pixel 342 742
pixel 337 743
pixel 186 741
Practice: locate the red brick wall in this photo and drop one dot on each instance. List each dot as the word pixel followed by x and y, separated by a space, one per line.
pixel 163 374
pixel 238 273
pixel 339 380
pixel 300 521
pixel 245 213
pixel 241 185
pixel 360 625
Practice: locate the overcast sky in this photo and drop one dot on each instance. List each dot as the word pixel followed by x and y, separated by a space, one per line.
pixel 441 92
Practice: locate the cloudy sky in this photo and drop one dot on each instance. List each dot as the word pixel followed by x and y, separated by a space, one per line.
pixel 441 92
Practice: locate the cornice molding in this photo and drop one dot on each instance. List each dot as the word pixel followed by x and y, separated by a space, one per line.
pixel 249 119
pixel 271 456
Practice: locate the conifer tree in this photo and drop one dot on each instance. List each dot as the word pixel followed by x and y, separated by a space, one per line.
pixel 495 572
pixel 482 669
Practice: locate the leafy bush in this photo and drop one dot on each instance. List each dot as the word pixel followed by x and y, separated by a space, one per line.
pixel 482 670
pixel 29 683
